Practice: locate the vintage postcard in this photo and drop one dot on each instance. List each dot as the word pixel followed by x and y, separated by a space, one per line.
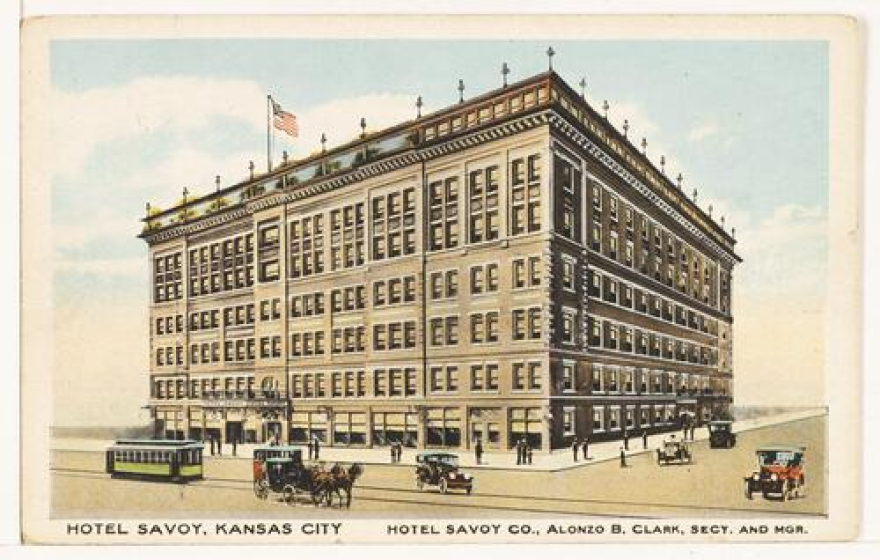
pixel 362 279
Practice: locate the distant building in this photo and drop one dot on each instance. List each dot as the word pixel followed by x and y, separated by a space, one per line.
pixel 508 268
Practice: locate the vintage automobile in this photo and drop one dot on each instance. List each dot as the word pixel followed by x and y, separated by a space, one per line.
pixel 288 477
pixel 674 451
pixel 441 470
pixel 780 473
pixel 721 434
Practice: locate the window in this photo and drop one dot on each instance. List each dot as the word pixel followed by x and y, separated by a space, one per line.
pixel 568 420
pixel 443 224
pixel 598 419
pixel 568 274
pixel 484 278
pixel 567 376
pixel 444 284
pixel 483 220
pixel 527 272
pixel 394 224
pixel 484 327
pixel 347 236
pixel 597 379
pixel 484 377
pixel 569 320
pixel 444 331
pixel 444 379
pixel 526 376
pixel 525 204
pixel 307 246
pixel 167 273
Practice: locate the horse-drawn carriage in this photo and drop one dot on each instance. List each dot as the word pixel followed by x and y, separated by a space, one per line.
pixel 284 474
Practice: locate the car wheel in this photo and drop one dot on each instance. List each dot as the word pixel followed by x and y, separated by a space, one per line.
pixel 470 489
pixel 443 486
pixel 748 492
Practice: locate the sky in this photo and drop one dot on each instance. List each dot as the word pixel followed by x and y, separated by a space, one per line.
pixel 745 122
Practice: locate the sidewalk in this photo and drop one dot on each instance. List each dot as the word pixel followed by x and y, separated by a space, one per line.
pixel 557 460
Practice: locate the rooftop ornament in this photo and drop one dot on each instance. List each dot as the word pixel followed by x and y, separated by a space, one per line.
pixel 644 146
pixel 419 107
pixel 461 91
pixel 284 157
pixel 710 210
pixel 625 127
pixel 323 143
pixel 217 181
pixel 583 84
pixel 605 107
pixel 663 164
pixel 679 179
pixel 695 196
pixel 251 168
pixel 550 53
pixel 363 127
pixel 505 70
pixel 733 233
pixel 722 222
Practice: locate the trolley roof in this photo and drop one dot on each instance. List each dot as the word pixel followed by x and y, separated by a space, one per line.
pixel 777 448
pixel 155 444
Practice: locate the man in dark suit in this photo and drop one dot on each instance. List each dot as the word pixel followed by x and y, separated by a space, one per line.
pixel 317 448
pixel 626 439
pixel 575 447
pixel 645 438
pixel 586 447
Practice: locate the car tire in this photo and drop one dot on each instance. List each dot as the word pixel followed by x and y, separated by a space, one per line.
pixel 289 495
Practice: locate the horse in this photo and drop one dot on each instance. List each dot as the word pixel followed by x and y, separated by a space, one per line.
pixel 341 482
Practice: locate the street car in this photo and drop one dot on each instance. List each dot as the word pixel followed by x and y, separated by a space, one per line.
pixel 157 459
pixel 780 474
pixel 721 434
pixel 441 470
pixel 674 451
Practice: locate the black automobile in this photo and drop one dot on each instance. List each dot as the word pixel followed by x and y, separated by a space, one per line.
pixel 721 434
pixel 441 470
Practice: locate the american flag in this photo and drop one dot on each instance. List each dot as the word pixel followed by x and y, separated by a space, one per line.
pixel 284 121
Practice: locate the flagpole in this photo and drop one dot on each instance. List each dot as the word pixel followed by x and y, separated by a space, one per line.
pixel 268 133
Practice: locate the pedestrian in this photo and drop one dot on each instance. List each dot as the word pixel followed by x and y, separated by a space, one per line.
pixel 575 444
pixel 311 450
pixel 220 446
pixel 211 440
pixel 478 451
pixel 626 439
pixel 317 448
pixel 519 452
pixel 529 451
pixel 585 447
pixel 622 458
pixel 645 439
pixel 399 453
pixel 234 446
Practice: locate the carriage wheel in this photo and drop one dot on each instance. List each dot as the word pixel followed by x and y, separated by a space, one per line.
pixel 260 490
pixel 420 484
pixel 289 495
pixel 443 486
pixel 748 491
pixel 316 495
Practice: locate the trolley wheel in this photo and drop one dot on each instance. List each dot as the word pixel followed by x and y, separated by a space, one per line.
pixel 444 488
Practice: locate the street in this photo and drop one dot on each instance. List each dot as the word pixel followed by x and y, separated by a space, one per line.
pixel 711 487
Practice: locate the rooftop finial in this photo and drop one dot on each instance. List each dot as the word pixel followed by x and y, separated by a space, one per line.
pixel 710 210
pixel 284 157
pixel 363 127
pixel 679 180
pixel 583 84
pixel 461 91
pixel 148 209
pixel 217 182
pixel 605 107
pixel 733 233
pixel 505 70
pixel 185 195
pixel 550 53
pixel 419 107
pixel 722 222
pixel 644 146
pixel 323 142
pixel 625 127
pixel 695 196
pixel 251 168
pixel 663 164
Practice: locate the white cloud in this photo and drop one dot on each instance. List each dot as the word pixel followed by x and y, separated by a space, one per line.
pixel 95 116
pixel 703 130
pixel 124 266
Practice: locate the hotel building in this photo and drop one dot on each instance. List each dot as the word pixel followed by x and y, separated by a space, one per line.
pixel 511 267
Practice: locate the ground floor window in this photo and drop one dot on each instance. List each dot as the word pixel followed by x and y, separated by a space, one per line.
pixel 307 426
pixel 526 425
pixel 485 424
pixel 443 427
pixel 350 428
pixel 395 427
